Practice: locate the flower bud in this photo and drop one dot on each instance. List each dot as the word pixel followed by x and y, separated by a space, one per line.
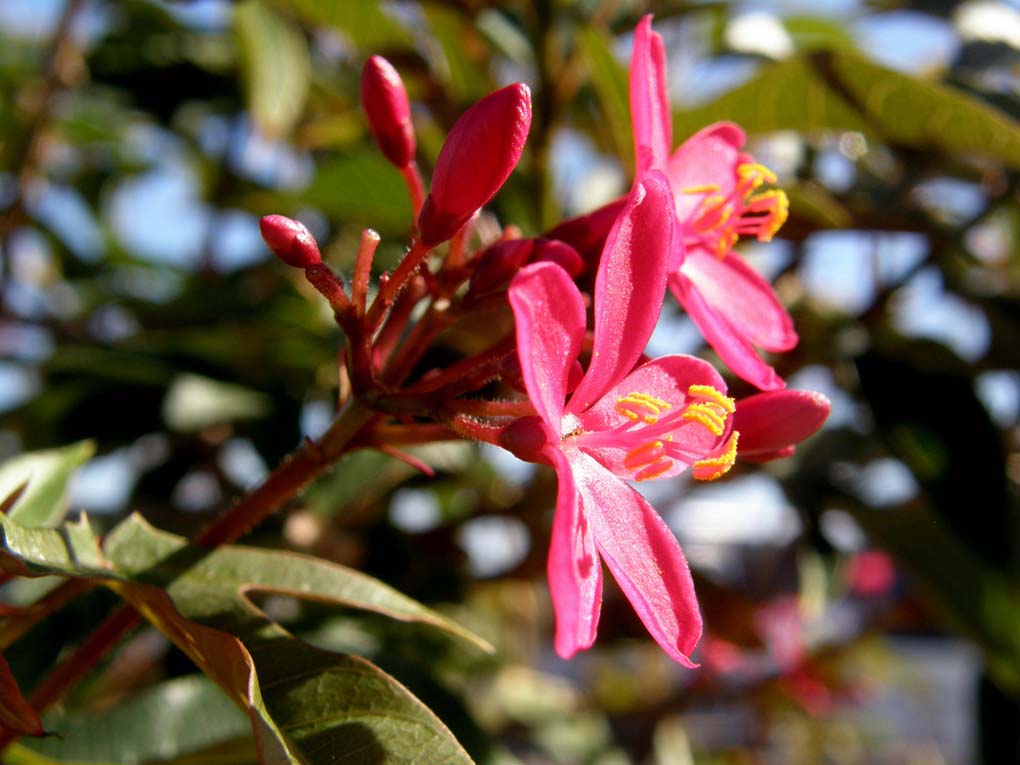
pixel 588 233
pixel 499 263
pixel 389 113
pixel 290 241
pixel 483 147
pixel 560 253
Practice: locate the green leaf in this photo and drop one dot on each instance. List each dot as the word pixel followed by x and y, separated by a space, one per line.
pixel 811 201
pixel 463 76
pixel 16 714
pixel 609 78
pixel 45 476
pixel 305 704
pixel 843 90
pixel 275 65
pixel 70 550
pixel 221 580
pixel 360 187
pixel 179 717
pixel 363 22
pixel 194 402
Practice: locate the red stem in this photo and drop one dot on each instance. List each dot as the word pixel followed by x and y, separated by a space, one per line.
pixel 363 269
pixel 415 187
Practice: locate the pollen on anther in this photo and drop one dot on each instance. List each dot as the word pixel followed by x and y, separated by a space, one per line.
pixel 642 406
pixel 715 467
pixel 712 394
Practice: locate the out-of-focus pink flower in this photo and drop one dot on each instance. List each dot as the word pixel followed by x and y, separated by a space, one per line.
pixel 718 198
pixel 619 424
pixel 870 573
pixel 773 422
pixel 480 152
pixel 290 241
pixel 384 100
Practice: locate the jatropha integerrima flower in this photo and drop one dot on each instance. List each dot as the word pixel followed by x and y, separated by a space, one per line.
pixel 603 419
pixel 480 152
pixel 385 102
pixel 718 198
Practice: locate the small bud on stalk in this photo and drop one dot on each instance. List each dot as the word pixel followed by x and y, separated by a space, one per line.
pixel 290 241
pixel 384 100
pixel 480 152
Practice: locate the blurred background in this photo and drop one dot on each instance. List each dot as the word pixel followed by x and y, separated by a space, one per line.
pixel 862 599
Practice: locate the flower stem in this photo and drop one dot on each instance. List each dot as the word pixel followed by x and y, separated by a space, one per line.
pixel 415 187
pixel 363 269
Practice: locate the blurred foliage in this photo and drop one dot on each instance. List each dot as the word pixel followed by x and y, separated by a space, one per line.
pixel 139 143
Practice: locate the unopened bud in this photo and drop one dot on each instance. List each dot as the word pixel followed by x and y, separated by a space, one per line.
pixel 499 263
pixel 560 253
pixel 290 241
pixel 384 100
pixel 480 152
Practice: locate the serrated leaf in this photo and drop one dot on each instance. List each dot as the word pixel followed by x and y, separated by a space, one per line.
pixel 609 78
pixel 45 476
pixel 275 66
pixel 16 714
pixel 163 723
pixel 843 90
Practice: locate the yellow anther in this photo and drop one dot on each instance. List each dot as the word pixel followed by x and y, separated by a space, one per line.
pixel 707 416
pixel 704 188
pixel 756 173
pixel 712 393
pixel 715 467
pixel 654 471
pixel 779 212
pixel 642 406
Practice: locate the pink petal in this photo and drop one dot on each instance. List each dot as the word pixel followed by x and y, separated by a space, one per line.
pixel 649 99
pixel 643 556
pixel 738 292
pixel 772 423
pixel 574 570
pixel 550 319
pixel 666 378
pixel 709 157
pixel 629 287
pixel 733 348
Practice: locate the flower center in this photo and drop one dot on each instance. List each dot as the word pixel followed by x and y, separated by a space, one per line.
pixel 720 220
pixel 650 432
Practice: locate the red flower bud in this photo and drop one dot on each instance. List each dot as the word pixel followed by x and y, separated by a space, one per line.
pixel 290 241
pixel 560 253
pixel 587 234
pixel 483 147
pixel 389 114
pixel 499 263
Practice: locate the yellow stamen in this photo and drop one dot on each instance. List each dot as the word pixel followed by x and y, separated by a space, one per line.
pixel 707 416
pixel 756 173
pixel 715 467
pixel 705 188
pixel 642 406
pixel 712 393
pixel 643 454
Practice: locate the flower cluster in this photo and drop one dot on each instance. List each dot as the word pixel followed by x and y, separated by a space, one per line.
pixel 587 403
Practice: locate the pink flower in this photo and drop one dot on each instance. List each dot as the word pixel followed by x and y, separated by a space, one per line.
pixel 718 198
pixel 384 100
pixel 480 152
pixel 620 424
